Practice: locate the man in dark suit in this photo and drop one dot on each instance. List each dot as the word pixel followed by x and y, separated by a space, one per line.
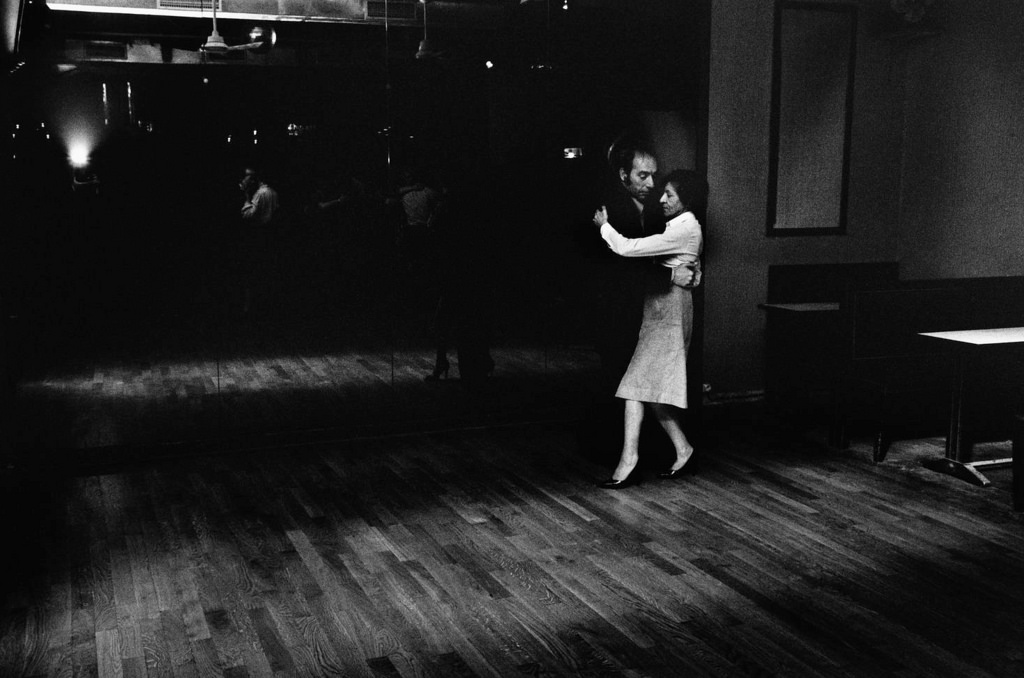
pixel 621 282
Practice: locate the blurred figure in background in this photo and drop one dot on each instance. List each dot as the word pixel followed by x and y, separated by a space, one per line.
pixel 462 228
pixel 259 211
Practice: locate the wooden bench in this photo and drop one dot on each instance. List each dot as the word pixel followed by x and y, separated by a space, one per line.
pixel 890 377
pixel 807 283
pixel 803 331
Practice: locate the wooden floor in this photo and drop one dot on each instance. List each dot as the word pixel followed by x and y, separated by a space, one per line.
pixel 490 552
pixel 264 392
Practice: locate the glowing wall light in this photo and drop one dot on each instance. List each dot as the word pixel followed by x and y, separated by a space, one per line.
pixel 78 153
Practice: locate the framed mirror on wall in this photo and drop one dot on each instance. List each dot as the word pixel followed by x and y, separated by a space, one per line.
pixel 814 52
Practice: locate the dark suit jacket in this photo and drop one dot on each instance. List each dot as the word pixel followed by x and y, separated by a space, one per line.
pixel 622 282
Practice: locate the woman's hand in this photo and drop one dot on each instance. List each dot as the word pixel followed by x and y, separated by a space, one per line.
pixel 601 216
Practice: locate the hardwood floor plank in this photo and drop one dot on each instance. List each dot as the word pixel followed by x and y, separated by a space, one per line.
pixel 104 610
pixel 473 612
pixel 47 636
pixel 886 642
pixel 487 653
pixel 13 640
pixel 108 653
pixel 617 650
pixel 191 607
pixel 83 644
pixel 156 652
pixel 173 636
pixel 226 638
pixel 206 660
pixel 337 633
pixel 271 642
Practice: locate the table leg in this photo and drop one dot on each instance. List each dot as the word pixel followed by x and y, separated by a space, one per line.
pixel 1017 460
pixel 954 450
pixel 954 463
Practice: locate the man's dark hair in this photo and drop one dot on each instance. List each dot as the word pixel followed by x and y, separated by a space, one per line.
pixel 622 157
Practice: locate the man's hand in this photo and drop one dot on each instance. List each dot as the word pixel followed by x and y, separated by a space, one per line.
pixel 601 216
pixel 686 275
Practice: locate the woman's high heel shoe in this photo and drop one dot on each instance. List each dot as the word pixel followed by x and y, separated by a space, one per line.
pixel 690 468
pixel 440 372
pixel 613 484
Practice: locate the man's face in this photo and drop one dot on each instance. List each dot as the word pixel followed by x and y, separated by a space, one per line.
pixel 640 180
pixel 249 181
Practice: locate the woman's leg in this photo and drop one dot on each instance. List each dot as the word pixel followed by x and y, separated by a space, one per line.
pixel 667 418
pixel 633 418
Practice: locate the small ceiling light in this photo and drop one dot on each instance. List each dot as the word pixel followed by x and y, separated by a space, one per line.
pixel 489 63
pixel 261 39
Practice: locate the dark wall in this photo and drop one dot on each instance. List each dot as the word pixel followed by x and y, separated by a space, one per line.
pixel 961 207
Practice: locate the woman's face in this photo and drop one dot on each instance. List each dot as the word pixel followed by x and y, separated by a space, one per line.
pixel 670 203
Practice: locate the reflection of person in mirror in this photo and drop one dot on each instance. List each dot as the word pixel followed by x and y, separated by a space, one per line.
pixel 465 270
pixel 419 201
pixel 259 210
pixel 656 374
pixel 261 201
pixel 333 194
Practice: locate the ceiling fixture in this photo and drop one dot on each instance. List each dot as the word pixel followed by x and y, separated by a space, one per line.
pixel 426 49
pixel 215 43
pixel 259 39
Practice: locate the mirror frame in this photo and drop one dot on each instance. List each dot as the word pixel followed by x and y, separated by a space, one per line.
pixel 779 130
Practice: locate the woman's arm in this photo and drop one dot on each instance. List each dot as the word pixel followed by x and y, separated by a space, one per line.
pixel 672 241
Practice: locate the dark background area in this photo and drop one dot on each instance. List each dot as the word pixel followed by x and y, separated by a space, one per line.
pixel 147 267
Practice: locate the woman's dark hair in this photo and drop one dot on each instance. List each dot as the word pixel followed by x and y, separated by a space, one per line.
pixel 691 188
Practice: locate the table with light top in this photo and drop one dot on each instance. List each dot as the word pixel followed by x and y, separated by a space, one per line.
pixel 968 344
